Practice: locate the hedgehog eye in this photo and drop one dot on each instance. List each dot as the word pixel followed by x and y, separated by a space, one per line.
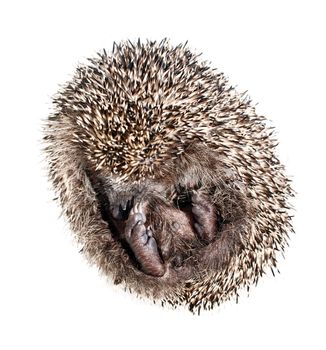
pixel 182 196
pixel 182 200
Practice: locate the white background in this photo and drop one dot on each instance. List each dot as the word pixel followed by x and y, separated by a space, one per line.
pixel 50 297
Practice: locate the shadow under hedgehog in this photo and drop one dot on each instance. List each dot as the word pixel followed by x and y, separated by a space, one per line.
pixel 167 175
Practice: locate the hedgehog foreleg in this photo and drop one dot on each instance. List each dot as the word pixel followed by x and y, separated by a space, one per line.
pixel 204 217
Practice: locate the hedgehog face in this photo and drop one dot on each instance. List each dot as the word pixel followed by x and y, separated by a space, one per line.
pixel 168 221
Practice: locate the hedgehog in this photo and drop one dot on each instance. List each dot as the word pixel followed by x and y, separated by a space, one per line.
pixel 168 177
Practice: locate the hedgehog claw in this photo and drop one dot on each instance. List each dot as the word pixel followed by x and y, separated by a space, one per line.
pixel 121 210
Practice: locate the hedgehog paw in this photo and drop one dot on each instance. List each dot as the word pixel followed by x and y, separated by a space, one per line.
pixel 205 220
pixel 141 241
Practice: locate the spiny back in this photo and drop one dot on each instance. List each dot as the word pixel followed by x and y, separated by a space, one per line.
pixel 140 105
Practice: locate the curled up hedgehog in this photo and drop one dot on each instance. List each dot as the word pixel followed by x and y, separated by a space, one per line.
pixel 167 175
